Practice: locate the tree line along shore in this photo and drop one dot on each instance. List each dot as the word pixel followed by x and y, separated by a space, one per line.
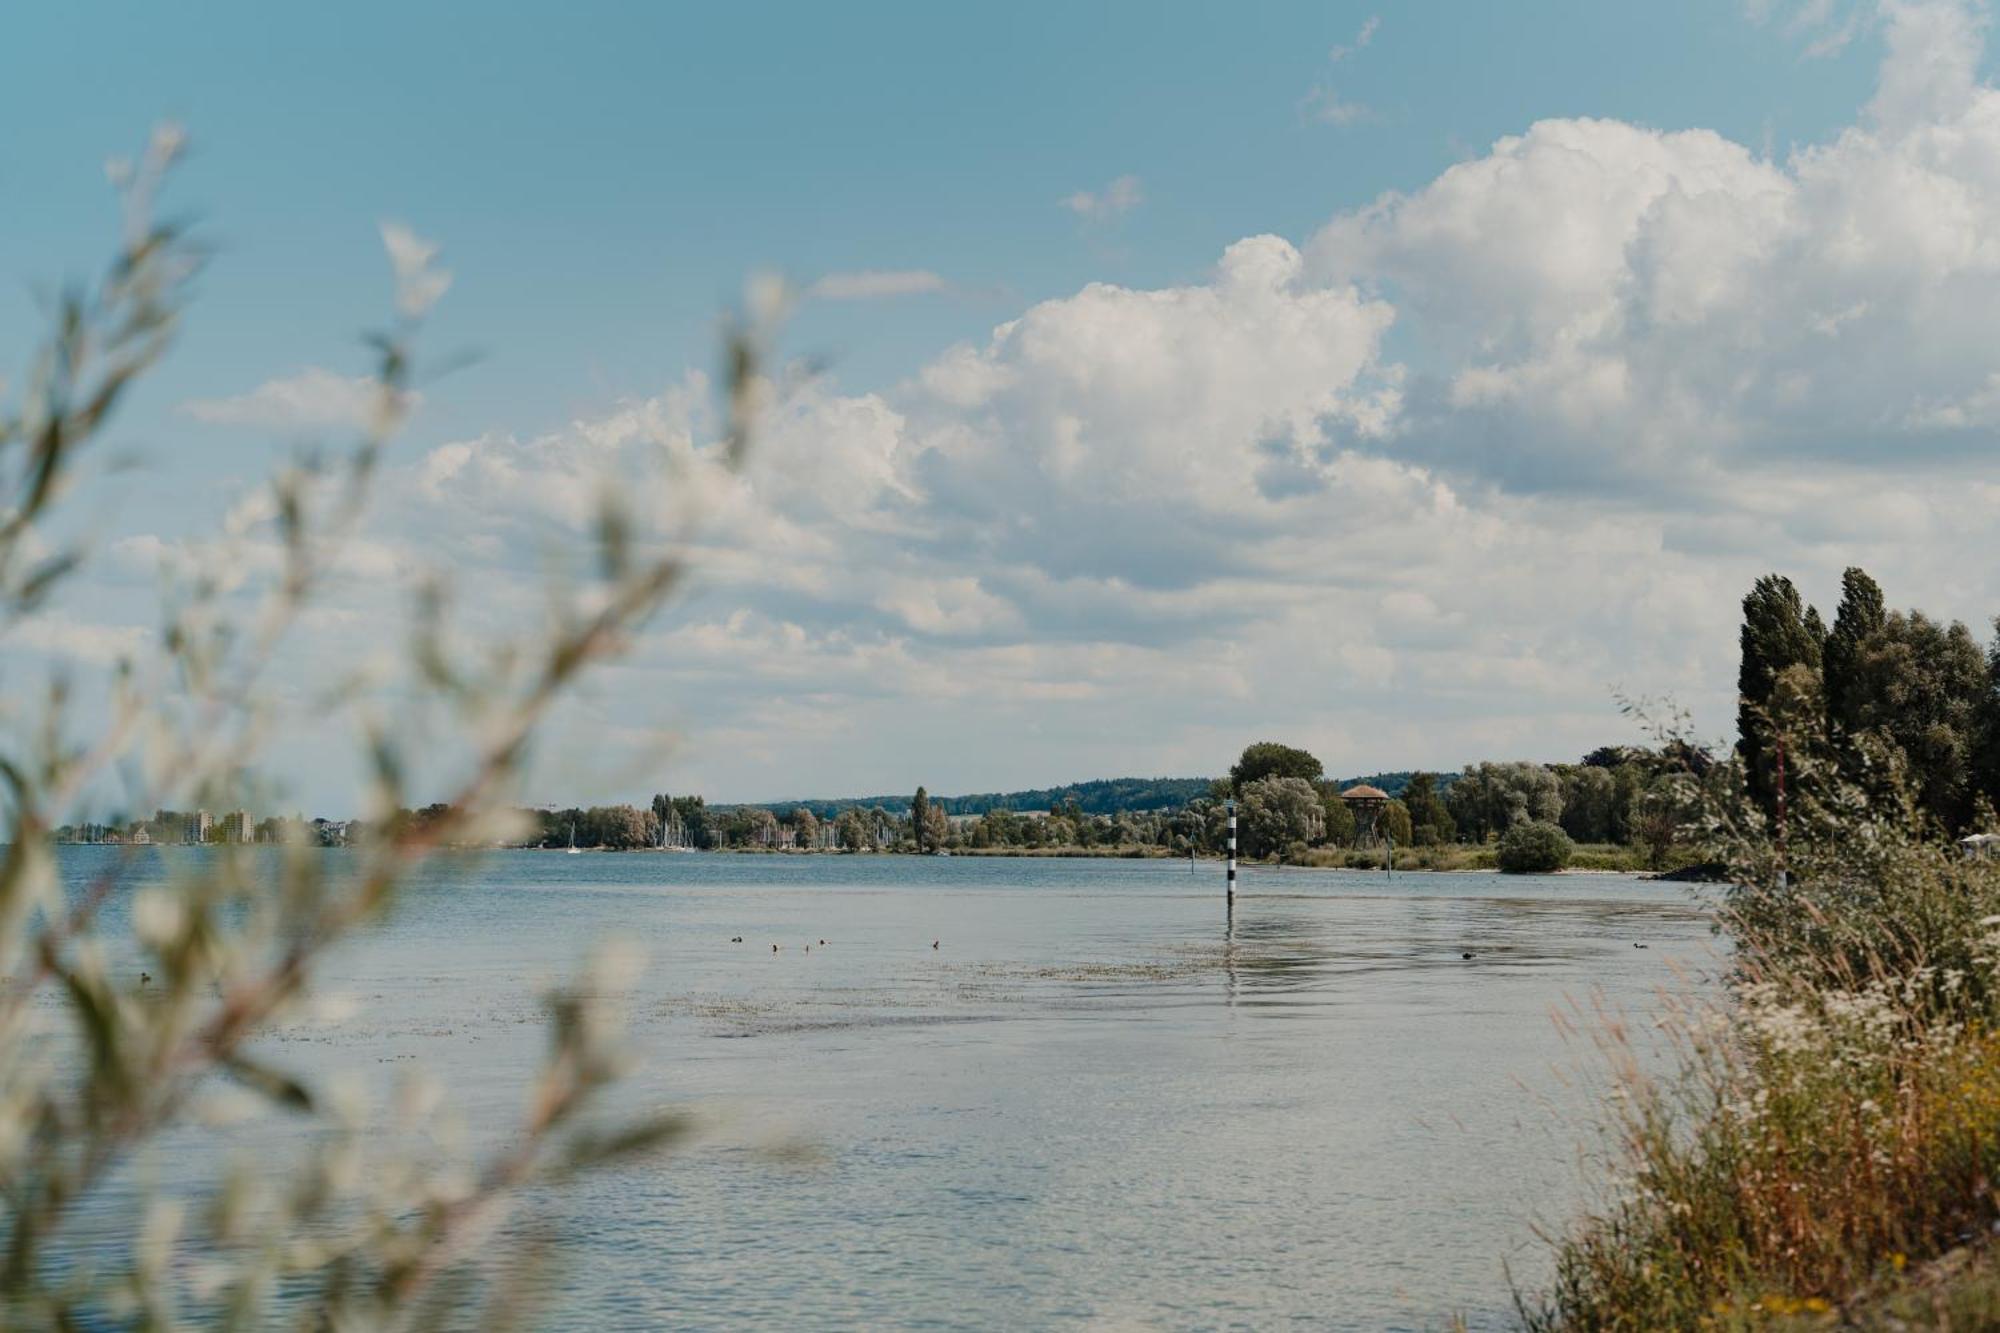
pixel 1919 691
pixel 1605 812
pixel 1918 696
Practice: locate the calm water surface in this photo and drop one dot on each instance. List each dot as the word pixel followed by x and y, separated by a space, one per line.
pixel 1097 1103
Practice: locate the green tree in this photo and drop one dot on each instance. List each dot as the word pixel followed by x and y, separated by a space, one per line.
pixel 1920 683
pixel 1628 786
pixel 1589 795
pixel 1430 822
pixel 1777 633
pixel 1534 847
pixel 1656 822
pixel 1490 798
pixel 937 827
pixel 1986 727
pixel 1269 759
pixel 1859 619
pixel 805 827
pixel 998 828
pixel 1276 812
pixel 920 812
pixel 1337 820
pixel 697 824
pixel 1396 824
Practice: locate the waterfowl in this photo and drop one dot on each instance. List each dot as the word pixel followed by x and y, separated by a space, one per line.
pixel 1465 955
pixel 934 944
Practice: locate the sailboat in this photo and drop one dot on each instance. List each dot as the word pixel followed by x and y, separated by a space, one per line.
pixel 573 848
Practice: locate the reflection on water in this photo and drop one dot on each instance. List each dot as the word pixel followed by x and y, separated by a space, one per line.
pixel 1075 1110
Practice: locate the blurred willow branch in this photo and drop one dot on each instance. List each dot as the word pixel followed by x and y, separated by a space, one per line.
pixel 370 1229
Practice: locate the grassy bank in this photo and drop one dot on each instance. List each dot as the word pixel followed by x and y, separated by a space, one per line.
pixel 1123 851
pixel 1466 856
pixel 1129 852
pixel 1829 1139
pixel 1448 857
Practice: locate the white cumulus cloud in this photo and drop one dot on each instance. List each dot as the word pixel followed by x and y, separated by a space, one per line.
pixel 1422 487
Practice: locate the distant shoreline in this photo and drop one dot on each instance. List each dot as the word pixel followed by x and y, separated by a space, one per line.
pixel 1405 862
pixel 1455 859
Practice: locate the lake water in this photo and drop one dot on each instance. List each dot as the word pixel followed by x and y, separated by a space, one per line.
pixel 1099 1102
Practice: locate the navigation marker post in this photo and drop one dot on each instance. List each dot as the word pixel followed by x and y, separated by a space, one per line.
pixel 1232 852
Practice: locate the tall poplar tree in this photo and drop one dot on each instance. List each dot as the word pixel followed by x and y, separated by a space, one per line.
pixel 920 811
pixel 1986 745
pixel 1779 632
pixel 1860 618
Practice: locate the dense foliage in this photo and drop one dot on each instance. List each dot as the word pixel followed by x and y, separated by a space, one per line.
pixel 1278 814
pixel 1835 1121
pixel 1488 799
pixel 1614 796
pixel 1270 759
pixel 1779 631
pixel 1429 817
pixel 1920 692
pixel 1535 847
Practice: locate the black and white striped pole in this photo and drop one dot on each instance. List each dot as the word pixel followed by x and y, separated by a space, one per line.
pixel 1232 852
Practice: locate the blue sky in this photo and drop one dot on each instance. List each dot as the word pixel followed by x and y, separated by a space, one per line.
pixel 1562 342
pixel 603 175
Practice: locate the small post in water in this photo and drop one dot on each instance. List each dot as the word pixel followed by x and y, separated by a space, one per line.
pixel 1232 852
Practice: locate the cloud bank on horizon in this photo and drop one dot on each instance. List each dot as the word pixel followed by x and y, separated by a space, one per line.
pixel 1423 486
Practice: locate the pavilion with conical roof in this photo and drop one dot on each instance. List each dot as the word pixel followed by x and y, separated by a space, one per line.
pixel 1367 804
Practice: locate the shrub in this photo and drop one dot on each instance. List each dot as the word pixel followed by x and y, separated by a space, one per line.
pixel 1831 1117
pixel 1534 848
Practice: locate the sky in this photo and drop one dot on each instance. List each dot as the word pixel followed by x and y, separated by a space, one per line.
pixel 1409 383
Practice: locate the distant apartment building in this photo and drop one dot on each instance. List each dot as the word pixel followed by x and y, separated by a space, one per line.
pixel 236 826
pixel 197 827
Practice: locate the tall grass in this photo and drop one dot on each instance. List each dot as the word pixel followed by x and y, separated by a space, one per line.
pixel 1835 1118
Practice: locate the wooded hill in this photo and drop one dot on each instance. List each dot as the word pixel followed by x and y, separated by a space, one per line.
pixel 1104 796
